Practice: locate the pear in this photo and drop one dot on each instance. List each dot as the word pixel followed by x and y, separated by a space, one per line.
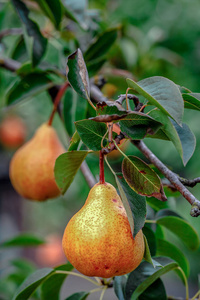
pixel 98 239
pixel 12 132
pixel 32 166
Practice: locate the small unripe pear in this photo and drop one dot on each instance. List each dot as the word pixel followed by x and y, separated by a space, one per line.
pixel 32 166
pixel 98 239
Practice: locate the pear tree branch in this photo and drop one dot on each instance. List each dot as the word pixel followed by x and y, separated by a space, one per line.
pixel 172 177
pixel 89 177
pixel 9 64
pixel 176 181
pixel 10 31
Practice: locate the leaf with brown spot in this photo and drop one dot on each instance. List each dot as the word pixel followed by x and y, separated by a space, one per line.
pixel 141 178
pixel 77 74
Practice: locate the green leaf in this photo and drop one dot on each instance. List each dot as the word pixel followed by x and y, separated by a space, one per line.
pixel 156 204
pixel 52 9
pixel 23 240
pixel 23 265
pixel 162 93
pixel 145 275
pixel 76 11
pixel 91 133
pixel 184 231
pixel 136 125
pixel 101 44
pixel 141 178
pixel 147 253
pixel 77 74
pixel 151 239
pixel 119 286
pixel 164 248
pixel 78 296
pixel 167 212
pixel 50 289
pixel 123 198
pixel 28 87
pixel 156 291
pixel 192 100
pixel 95 65
pixel 66 167
pixel 39 42
pixel 74 142
pixel 22 269
pixel 136 202
pixel 32 283
pixel 74 109
pixel 125 203
pixel 187 141
pixel 160 234
pixel 182 137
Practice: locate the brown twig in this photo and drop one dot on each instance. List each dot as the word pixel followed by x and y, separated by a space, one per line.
pixel 190 183
pixel 10 64
pixel 59 95
pixel 10 31
pixel 173 178
pixel 111 147
pixel 135 99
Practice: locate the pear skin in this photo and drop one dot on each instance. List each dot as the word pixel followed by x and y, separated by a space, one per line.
pixel 98 240
pixel 32 166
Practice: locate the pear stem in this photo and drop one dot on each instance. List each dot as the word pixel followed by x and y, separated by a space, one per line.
pixel 101 168
pixel 57 100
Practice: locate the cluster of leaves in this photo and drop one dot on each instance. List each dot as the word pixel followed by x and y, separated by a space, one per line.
pixel 166 102
pixel 163 121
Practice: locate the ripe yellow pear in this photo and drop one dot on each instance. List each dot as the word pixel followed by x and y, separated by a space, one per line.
pixel 32 166
pixel 98 239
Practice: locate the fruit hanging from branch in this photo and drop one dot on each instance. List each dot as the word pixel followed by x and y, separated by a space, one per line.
pixel 32 166
pixel 98 240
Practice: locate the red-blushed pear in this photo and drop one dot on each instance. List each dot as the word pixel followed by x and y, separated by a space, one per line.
pixel 12 132
pixel 50 254
pixel 32 166
pixel 98 240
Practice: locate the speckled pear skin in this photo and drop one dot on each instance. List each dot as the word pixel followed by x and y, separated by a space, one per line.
pixel 32 166
pixel 98 240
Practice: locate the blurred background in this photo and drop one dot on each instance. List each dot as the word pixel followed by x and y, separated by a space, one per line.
pixel 154 38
